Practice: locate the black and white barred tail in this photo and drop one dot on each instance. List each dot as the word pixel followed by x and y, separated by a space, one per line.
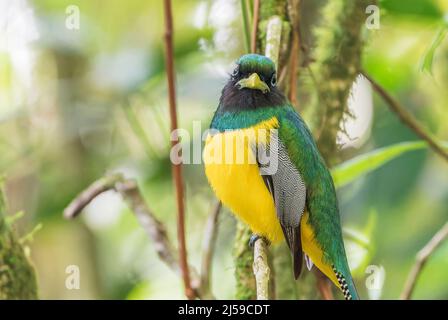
pixel 343 284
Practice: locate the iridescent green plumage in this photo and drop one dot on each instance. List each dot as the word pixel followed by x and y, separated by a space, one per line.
pixel 262 64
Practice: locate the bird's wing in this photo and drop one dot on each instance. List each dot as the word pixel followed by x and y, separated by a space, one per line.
pixel 287 187
pixel 322 239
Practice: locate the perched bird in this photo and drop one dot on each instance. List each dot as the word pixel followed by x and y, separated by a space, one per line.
pixel 296 201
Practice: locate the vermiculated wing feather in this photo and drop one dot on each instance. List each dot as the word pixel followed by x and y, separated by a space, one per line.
pixel 288 190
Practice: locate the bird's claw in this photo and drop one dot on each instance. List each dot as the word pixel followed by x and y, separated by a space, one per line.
pixel 254 238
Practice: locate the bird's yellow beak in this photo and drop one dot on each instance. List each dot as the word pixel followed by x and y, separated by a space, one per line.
pixel 253 82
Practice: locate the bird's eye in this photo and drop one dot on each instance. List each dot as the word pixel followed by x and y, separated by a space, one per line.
pixel 236 71
pixel 274 80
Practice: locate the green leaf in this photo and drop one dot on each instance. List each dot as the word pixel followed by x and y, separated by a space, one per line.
pixel 428 57
pixel 354 168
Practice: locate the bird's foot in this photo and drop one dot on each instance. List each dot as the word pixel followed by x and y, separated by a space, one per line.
pixel 255 237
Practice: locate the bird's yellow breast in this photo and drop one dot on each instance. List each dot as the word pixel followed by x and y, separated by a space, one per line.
pixel 234 175
pixel 232 170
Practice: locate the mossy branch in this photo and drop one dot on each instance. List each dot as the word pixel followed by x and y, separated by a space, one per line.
pixel 337 64
pixel 245 281
pixel 17 275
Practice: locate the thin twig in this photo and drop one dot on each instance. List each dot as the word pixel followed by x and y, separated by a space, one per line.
pixel 130 193
pixel 250 9
pixel 421 259
pixel 208 247
pixel 244 15
pixel 407 118
pixel 176 168
pixel 293 72
pixel 253 44
pixel 83 199
pixel 261 269
pixel 323 285
pixel 294 13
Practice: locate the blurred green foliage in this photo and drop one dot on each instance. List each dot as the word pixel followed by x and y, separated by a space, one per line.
pixel 354 168
pixel 75 104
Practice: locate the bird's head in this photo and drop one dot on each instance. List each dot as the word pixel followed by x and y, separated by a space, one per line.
pixel 252 85
pixel 255 72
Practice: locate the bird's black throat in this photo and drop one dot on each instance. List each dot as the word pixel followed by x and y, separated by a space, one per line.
pixel 234 99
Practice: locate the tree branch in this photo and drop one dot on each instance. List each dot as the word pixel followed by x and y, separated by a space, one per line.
pixel 243 257
pixel 176 168
pixel 407 118
pixel 17 274
pixel 261 269
pixel 253 43
pixel 294 15
pixel 85 197
pixel 337 64
pixel 155 229
pixel 421 259
pixel 245 18
pixel 323 285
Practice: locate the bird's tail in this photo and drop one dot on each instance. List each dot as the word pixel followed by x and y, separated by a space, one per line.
pixel 352 289
pixel 346 283
pixel 336 270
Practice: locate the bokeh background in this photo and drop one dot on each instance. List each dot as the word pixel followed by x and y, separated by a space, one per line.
pixel 76 104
